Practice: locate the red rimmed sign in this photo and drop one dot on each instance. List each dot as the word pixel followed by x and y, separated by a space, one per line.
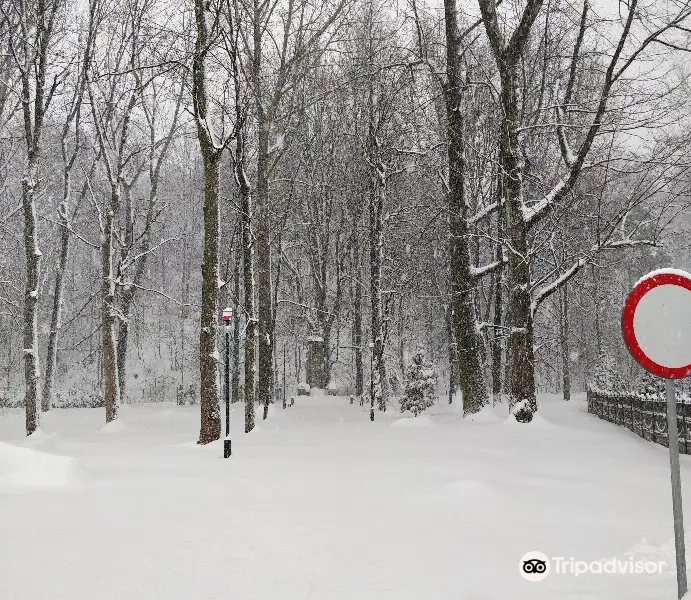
pixel 656 323
pixel 657 329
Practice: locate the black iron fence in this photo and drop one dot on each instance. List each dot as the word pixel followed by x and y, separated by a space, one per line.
pixel 646 418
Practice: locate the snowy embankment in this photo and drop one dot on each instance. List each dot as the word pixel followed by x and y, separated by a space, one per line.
pixel 322 504
pixel 25 468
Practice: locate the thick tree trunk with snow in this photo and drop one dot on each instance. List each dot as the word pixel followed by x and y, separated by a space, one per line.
pixel 32 256
pixel 468 342
pixel 248 287
pixel 497 336
pixel 29 44
pixel 377 195
pixel 235 350
pixel 522 394
pixel 210 429
pixel 356 334
pixel 507 54
pixel 498 308
pixel 209 390
pixel 247 254
pixel 265 378
pixel 110 380
pixel 127 296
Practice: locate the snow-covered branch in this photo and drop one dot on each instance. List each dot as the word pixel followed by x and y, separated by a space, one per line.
pixel 552 287
pixel 485 212
pixel 546 291
pixel 478 272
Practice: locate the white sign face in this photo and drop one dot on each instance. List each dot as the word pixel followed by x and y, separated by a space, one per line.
pixel 662 324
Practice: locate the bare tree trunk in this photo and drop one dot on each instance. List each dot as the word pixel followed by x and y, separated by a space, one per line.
pixel 453 356
pixel 235 358
pixel 33 262
pixel 248 282
pixel 507 56
pixel 111 383
pixel 469 348
pixel 247 241
pixel 127 295
pixel 31 49
pixel 68 159
pixel 498 336
pixel 377 194
pixel 564 341
pixel 264 296
pixel 357 322
pixel 210 426
pixel 58 293
pixel 522 393
pixel 123 341
pixel 59 286
pixel 130 286
pixel 208 352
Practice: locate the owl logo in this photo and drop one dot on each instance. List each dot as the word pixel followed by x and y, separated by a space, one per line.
pixel 534 566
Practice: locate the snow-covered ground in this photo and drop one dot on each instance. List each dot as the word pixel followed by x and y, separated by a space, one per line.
pixel 319 503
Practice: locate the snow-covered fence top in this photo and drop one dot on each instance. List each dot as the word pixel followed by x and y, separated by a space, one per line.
pixel 644 416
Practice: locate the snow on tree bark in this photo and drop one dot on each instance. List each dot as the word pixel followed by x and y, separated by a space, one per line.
pixel 110 380
pixel 507 55
pixel 33 263
pixel 377 194
pixel 250 344
pixel 29 44
pixel 209 391
pixel 68 161
pixel 265 385
pixel 468 342
pixel 235 357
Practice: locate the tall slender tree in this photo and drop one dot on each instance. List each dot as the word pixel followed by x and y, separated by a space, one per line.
pixel 31 27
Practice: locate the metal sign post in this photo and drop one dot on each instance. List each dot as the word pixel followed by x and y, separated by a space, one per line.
pixel 677 511
pixel 227 320
pixel 656 324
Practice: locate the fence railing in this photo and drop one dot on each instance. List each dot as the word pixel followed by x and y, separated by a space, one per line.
pixel 646 418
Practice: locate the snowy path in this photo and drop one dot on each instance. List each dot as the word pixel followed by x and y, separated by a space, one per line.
pixel 319 503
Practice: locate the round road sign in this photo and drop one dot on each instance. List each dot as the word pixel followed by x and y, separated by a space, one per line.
pixel 657 323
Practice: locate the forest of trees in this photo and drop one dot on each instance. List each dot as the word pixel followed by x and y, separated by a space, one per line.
pixel 483 178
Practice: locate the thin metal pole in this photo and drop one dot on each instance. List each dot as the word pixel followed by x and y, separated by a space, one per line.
pixel 677 511
pixel 284 374
pixel 683 421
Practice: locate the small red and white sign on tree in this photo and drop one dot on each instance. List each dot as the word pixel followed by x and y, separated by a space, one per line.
pixel 657 323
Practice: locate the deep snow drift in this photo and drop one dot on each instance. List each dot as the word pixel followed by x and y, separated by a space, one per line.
pixel 22 468
pixel 322 504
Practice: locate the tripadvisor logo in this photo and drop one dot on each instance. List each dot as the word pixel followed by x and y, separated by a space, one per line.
pixel 535 566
